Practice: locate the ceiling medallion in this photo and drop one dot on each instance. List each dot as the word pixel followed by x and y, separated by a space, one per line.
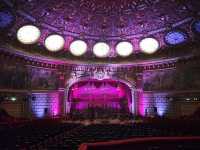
pixel 175 37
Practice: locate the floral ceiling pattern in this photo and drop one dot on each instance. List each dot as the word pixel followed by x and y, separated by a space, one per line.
pixel 106 19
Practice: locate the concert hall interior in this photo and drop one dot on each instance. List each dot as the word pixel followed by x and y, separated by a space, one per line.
pixel 99 74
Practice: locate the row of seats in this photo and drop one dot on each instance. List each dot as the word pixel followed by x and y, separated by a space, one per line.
pixel 69 136
pixel 149 143
pixel 100 133
pixel 25 136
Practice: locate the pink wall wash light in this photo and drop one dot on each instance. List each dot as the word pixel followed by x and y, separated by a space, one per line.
pixel 104 93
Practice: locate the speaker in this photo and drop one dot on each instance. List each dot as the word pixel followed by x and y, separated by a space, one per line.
pixel 45 111
pixel 33 98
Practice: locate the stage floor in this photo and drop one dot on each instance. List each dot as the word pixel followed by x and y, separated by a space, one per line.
pixel 103 121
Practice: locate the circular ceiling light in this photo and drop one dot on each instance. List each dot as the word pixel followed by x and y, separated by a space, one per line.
pixel 78 47
pixel 28 34
pixel 124 49
pixel 6 19
pixel 196 26
pixel 149 45
pixel 54 43
pixel 101 49
pixel 175 37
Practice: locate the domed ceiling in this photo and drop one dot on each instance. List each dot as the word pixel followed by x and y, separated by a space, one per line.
pixel 171 22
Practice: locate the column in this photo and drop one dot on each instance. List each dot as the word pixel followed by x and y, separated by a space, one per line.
pixel 66 101
pixel 139 109
pixel 61 90
pixel 133 108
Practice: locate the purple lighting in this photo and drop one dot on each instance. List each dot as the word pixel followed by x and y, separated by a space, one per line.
pixel 95 93
pixel 45 104
pixel 161 103
pixel 55 104
pixel 142 103
pixel 150 100
pixel 90 91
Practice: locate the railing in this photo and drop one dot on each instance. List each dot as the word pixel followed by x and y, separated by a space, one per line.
pixel 149 143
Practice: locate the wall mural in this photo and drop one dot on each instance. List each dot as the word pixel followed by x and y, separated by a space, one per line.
pixel 183 78
pixel 13 76
pixel 43 79
pixel 17 76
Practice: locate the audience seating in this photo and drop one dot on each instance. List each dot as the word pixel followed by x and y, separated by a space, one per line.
pixel 108 132
pixel 55 135
pixel 30 134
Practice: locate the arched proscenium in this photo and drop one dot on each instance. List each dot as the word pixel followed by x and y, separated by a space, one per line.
pixel 72 81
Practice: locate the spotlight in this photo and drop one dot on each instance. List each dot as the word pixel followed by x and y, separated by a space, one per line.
pixel 149 45
pixel 124 49
pixel 54 43
pixel 101 49
pixel 78 47
pixel 28 34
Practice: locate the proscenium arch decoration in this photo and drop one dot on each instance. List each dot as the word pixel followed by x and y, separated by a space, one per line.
pixel 130 84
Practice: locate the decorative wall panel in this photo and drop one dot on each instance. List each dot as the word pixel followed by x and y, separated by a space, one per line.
pixel 13 76
pixel 183 78
pixel 43 78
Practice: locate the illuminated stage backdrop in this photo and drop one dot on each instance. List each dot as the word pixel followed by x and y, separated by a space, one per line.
pixel 95 93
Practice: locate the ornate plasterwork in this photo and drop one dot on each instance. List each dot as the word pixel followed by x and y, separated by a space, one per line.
pixel 102 20
pixel 110 8
pixel 99 74
pixel 108 19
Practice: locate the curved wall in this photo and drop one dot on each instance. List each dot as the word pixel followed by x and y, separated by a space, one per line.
pixel 171 90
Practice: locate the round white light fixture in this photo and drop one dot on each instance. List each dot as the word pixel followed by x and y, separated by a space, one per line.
pixel 78 47
pixel 28 34
pixel 149 45
pixel 101 49
pixel 124 49
pixel 54 43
